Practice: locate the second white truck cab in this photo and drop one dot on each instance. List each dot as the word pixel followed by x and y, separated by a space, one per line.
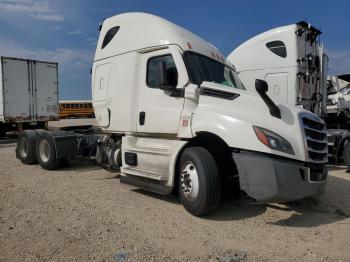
pixel 290 59
pixel 175 115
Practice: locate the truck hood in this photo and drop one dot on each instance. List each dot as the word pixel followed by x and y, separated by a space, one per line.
pixel 253 104
pixel 231 114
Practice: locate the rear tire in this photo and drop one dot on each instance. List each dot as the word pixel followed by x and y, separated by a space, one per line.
pixel 46 152
pixel 199 181
pixel 2 131
pixel 346 154
pixel 26 147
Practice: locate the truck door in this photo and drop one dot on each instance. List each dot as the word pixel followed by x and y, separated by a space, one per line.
pixel 159 111
pixel 45 90
pixel 16 88
pixel 278 86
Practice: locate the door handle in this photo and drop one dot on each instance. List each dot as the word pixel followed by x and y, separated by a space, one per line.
pixel 142 117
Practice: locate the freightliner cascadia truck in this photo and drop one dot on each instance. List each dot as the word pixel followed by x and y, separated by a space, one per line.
pixel 172 114
pixel 291 59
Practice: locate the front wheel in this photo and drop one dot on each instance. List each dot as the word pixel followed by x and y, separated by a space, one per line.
pixel 199 181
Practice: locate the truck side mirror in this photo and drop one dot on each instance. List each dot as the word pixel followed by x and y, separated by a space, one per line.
pixel 167 79
pixel 261 86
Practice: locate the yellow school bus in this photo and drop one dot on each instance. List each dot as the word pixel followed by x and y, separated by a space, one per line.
pixel 76 109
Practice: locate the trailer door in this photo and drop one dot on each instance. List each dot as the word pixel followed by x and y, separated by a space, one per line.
pixel 45 90
pixel 16 88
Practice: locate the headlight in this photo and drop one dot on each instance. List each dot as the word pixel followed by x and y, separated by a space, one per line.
pixel 273 141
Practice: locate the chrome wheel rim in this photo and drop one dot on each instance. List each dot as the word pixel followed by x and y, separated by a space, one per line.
pixel 23 147
pixel 44 150
pixel 189 181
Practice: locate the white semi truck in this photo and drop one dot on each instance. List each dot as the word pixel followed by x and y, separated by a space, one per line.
pixel 28 93
pixel 173 114
pixel 292 61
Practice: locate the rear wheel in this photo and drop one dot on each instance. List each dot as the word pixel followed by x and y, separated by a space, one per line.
pixel 2 131
pixel 46 152
pixel 26 144
pixel 199 181
pixel 346 154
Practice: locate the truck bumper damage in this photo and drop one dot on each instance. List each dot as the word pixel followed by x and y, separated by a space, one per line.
pixel 271 180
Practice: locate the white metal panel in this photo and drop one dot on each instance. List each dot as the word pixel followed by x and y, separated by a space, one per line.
pixel 101 80
pixel 278 86
pixel 281 81
pixel 118 98
pixel 46 89
pixel 16 88
pixel 156 157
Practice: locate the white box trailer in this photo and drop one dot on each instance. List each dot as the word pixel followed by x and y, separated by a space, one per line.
pixel 28 93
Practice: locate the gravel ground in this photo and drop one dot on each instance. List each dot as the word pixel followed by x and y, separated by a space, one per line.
pixel 83 213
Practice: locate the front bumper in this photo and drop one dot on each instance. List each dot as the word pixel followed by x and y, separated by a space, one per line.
pixel 270 180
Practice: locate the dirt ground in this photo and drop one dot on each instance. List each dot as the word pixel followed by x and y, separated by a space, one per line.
pixel 83 213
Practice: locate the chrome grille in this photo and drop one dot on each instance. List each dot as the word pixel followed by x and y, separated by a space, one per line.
pixel 316 138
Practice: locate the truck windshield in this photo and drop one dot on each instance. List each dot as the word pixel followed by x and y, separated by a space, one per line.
pixel 201 68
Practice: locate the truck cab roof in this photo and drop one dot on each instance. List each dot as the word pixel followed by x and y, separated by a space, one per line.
pixel 130 32
pixel 278 46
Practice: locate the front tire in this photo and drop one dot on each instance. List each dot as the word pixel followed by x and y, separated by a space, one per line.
pixel 199 181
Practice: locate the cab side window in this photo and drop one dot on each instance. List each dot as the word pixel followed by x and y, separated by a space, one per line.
pixel 161 71
pixel 278 48
pixel 109 36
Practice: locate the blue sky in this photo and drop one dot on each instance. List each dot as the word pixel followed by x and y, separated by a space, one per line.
pixel 66 30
